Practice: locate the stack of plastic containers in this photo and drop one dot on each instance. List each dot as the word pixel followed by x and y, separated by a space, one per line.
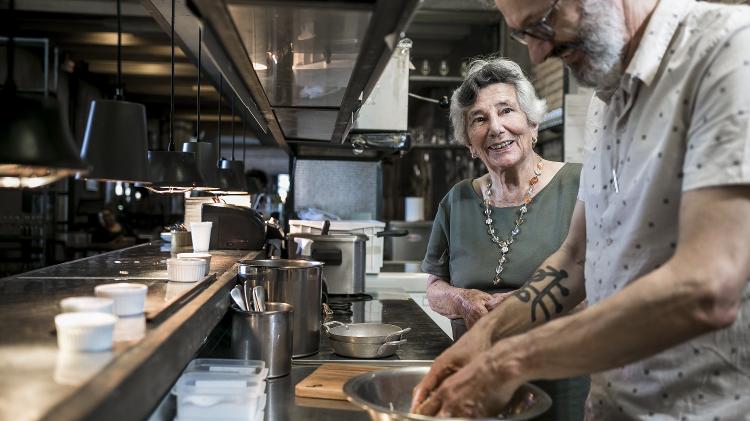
pixel 211 389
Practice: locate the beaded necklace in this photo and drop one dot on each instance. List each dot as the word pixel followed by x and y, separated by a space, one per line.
pixel 504 245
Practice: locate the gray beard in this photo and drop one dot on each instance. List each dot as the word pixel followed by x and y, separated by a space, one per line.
pixel 602 40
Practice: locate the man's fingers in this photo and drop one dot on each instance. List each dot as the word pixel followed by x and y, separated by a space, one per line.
pixel 431 406
pixel 429 382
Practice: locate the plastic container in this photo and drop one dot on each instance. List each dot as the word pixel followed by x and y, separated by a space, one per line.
pixel 252 369
pixel 129 298
pixel 212 396
pixel 374 253
pixel 86 304
pixel 185 269
pixel 203 256
pixel 85 331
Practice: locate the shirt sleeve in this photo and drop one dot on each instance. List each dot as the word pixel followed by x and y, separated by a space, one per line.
pixel 718 142
pixel 437 259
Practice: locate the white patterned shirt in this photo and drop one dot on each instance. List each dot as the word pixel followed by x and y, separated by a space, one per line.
pixel 677 122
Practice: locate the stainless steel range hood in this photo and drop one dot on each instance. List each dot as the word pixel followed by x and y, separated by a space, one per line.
pixel 305 65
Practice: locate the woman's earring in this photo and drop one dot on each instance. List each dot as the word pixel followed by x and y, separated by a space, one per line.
pixel 474 156
pixel 533 142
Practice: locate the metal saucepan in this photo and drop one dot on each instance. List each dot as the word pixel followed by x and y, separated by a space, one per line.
pixel 366 350
pixel 367 333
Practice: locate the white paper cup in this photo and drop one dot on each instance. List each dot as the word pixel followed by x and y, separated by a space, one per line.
pixel 86 331
pixel 204 256
pixel 129 298
pixel 91 304
pixel 201 235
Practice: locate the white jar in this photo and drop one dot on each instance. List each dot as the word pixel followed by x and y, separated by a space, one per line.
pixel 85 331
pixel 129 298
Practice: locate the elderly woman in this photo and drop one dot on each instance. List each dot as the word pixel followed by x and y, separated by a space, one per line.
pixel 492 232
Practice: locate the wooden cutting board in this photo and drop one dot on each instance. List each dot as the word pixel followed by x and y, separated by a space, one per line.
pixel 327 381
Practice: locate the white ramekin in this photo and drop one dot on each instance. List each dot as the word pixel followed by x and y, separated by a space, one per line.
pixel 185 269
pixel 89 304
pixel 129 298
pixel 204 256
pixel 85 331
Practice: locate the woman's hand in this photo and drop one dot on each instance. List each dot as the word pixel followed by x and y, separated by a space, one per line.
pixel 497 299
pixel 471 304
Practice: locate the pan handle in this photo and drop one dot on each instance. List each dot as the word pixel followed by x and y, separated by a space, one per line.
pixel 382 348
pixel 392 233
pixel 327 326
pixel 397 335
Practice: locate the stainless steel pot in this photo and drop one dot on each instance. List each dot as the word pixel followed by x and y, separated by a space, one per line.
pixel 365 340
pixel 296 282
pixel 386 395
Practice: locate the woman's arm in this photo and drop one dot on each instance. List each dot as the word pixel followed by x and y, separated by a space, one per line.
pixel 456 303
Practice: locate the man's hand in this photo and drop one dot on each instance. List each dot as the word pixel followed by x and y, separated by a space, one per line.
pixel 483 387
pixel 471 304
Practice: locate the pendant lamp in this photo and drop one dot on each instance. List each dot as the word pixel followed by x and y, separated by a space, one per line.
pixel 115 143
pixel 232 172
pixel 171 171
pixel 37 146
pixel 205 153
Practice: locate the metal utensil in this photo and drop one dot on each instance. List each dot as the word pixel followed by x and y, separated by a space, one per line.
pixel 236 295
pixel 259 298
pixel 247 294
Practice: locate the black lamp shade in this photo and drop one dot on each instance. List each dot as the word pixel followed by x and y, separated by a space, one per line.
pixel 37 147
pixel 232 177
pixel 115 144
pixel 205 155
pixel 173 169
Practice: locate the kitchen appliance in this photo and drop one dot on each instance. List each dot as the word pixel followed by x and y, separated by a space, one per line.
pixel 371 229
pixel 344 256
pixel 386 395
pixel 411 247
pixel 296 282
pixel 234 227
pixel 365 340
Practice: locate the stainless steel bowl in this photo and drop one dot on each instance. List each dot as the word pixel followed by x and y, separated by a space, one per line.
pixel 386 395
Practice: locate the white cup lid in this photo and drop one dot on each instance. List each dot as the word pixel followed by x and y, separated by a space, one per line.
pixel 120 288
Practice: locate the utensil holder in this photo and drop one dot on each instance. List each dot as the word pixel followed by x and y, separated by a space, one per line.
pixel 264 336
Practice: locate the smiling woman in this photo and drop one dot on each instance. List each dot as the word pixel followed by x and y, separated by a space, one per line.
pixel 491 233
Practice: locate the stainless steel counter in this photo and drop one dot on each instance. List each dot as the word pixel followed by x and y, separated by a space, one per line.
pixel 38 382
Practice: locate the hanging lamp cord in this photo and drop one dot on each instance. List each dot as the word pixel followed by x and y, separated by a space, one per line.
pixel 198 96
pixel 10 83
pixel 171 90
pixel 118 89
pixel 233 129
pixel 218 137
pixel 243 140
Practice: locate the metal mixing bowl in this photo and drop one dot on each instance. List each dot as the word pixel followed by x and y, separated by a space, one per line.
pixel 386 395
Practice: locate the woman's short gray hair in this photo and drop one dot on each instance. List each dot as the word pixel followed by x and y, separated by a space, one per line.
pixel 485 72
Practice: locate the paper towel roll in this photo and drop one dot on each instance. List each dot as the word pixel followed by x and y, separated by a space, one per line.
pixel 414 208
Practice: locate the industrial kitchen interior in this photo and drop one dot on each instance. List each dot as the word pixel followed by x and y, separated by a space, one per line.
pixel 223 209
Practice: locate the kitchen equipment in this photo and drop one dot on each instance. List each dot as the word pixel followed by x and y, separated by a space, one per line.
pixel 204 256
pixel 297 282
pixel 180 241
pixel 344 256
pixel 238 298
pixel 266 336
pixel 234 227
pixel 327 381
pixel 83 304
pixel 365 340
pixel 85 331
pixel 251 369
pixel 224 396
pixel 185 269
pixel 129 298
pixel 374 246
pixel 386 395
pixel 259 298
pixel 200 232
pixel 411 247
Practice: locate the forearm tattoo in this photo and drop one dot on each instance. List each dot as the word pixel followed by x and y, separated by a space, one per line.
pixel 529 292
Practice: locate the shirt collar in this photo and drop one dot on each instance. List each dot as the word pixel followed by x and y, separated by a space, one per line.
pixel 656 39
pixel 653 45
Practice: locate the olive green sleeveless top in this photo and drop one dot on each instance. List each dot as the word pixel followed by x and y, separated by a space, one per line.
pixel 460 250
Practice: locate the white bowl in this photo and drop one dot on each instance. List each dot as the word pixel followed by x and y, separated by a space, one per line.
pixel 129 298
pixel 185 269
pixel 204 256
pixel 85 331
pixel 80 304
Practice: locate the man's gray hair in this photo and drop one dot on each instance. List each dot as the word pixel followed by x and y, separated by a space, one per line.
pixel 489 71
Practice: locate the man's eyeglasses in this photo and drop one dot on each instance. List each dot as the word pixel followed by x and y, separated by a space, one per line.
pixel 540 29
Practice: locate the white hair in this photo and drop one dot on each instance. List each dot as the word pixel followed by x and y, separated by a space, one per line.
pixel 489 71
